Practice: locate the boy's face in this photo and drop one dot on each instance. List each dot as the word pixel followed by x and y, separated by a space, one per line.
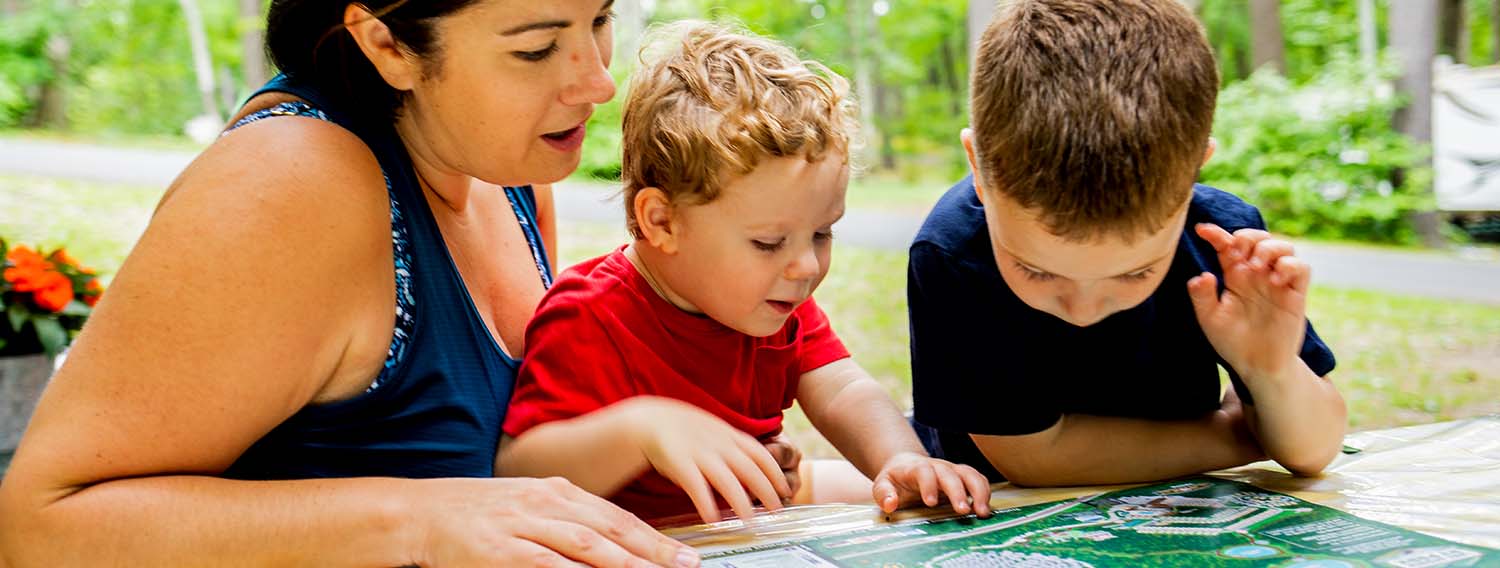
pixel 751 256
pixel 1080 283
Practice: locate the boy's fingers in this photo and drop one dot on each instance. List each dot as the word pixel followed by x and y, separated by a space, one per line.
pixel 1267 251
pixel 770 469
pixel 978 486
pixel 703 498
pixel 885 494
pixel 754 477
pixel 953 486
pixel 1203 290
pixel 1216 236
pixel 724 481
pixel 927 486
pixel 1293 272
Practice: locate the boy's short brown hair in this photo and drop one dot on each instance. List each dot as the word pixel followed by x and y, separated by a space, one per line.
pixel 713 100
pixel 1093 113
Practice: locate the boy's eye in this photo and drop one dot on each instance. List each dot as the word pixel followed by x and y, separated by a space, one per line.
pixel 1034 274
pixel 537 55
pixel 823 236
pixel 604 19
pixel 768 246
pixel 1136 276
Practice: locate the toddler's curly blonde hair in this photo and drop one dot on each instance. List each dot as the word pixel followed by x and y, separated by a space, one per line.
pixel 710 101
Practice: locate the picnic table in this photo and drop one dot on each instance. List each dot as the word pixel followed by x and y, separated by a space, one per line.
pixel 1440 480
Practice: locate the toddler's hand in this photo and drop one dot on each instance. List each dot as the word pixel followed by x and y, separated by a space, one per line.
pixel 702 454
pixel 910 478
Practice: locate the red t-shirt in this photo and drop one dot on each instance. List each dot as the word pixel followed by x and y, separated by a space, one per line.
pixel 601 335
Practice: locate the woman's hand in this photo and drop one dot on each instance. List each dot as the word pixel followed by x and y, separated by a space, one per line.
pixel 702 454
pixel 534 522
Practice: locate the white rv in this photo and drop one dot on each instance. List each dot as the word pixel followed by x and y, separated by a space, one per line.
pixel 1466 146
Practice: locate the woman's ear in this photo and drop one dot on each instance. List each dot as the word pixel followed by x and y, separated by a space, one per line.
pixel 655 218
pixel 399 69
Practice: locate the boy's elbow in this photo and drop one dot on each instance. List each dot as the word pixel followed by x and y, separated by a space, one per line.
pixel 1308 464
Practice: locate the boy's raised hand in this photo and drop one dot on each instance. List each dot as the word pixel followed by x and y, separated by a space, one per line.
pixel 909 478
pixel 702 454
pixel 1259 321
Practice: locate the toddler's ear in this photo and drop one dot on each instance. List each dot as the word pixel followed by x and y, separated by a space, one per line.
pixel 1212 145
pixel 653 216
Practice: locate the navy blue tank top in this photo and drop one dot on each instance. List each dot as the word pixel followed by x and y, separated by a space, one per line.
pixel 436 407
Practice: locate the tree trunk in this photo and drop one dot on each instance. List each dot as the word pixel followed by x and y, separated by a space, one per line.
pixel 52 104
pixel 252 44
pixel 1451 30
pixel 203 66
pixel 1413 37
pixel 1369 36
pixel 863 31
pixel 1266 42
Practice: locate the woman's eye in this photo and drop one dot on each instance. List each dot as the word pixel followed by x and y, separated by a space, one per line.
pixel 604 19
pixel 539 54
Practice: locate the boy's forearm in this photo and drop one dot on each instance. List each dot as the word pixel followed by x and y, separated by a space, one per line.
pixel 1299 419
pixel 594 451
pixel 1100 450
pixel 862 422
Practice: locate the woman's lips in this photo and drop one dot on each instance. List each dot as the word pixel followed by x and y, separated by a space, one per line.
pixel 567 140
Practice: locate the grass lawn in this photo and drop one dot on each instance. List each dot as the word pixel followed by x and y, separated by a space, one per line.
pixel 1401 360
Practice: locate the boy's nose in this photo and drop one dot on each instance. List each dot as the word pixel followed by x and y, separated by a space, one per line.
pixel 1084 311
pixel 804 267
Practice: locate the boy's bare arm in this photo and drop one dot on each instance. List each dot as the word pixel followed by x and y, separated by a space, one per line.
pixel 849 408
pixel 594 451
pixel 1258 323
pixel 1099 450
pixel 859 418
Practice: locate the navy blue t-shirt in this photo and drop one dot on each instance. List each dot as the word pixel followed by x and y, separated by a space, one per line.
pixel 983 362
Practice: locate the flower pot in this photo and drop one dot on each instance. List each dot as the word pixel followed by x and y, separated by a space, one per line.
pixel 22 378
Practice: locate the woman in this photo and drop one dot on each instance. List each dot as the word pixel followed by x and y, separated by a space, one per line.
pixel 243 396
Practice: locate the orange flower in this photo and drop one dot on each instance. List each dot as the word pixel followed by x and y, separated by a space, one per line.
pixel 28 278
pixel 92 292
pixel 54 292
pixel 25 258
pixel 60 256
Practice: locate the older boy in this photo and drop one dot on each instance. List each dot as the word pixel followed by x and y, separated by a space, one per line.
pixel 678 351
pixel 1067 313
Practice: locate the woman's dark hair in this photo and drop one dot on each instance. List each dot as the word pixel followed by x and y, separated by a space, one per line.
pixel 307 39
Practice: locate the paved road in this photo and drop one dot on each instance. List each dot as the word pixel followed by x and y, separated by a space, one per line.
pixel 1474 277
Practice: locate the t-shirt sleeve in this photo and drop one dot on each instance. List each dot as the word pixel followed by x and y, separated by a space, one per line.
pixel 572 367
pixel 819 345
pixel 967 374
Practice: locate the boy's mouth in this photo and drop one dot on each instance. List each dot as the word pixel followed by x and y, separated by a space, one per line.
pixel 782 307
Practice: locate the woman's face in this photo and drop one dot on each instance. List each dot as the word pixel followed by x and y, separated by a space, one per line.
pixel 507 92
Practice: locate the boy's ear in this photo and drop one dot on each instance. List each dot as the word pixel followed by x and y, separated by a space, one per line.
pixel 1209 153
pixel 375 40
pixel 653 216
pixel 967 137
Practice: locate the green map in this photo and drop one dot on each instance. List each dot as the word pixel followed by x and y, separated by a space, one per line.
pixel 1195 522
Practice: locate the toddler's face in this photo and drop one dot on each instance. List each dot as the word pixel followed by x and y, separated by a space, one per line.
pixel 751 256
pixel 1080 283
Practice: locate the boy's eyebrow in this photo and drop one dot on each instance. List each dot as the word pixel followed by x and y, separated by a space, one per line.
pixel 548 24
pixel 1126 273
